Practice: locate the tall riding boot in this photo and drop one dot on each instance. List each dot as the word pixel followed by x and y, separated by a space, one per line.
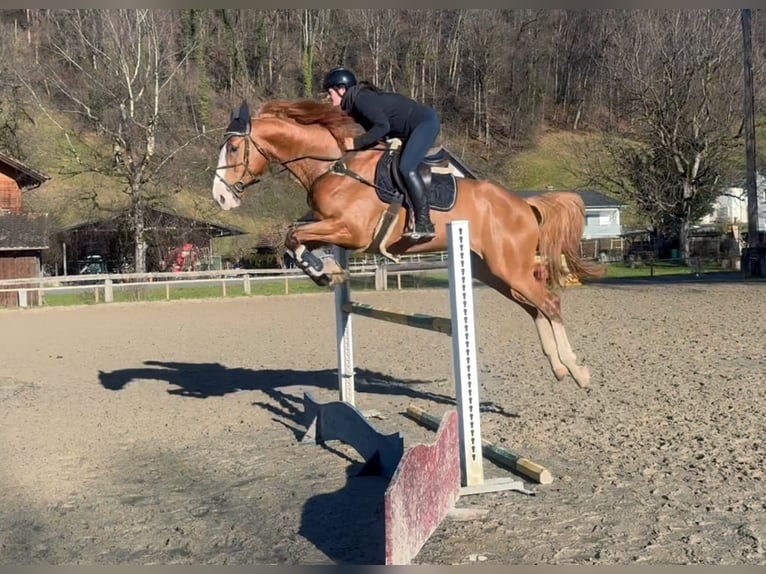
pixel 424 229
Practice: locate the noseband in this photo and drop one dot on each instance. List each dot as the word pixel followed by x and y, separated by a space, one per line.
pixel 238 188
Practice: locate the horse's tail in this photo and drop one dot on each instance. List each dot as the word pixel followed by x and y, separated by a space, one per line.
pixel 562 221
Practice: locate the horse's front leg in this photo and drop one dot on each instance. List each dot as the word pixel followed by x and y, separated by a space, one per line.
pixel 323 269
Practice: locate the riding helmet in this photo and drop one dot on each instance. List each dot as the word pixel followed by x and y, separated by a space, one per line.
pixel 339 76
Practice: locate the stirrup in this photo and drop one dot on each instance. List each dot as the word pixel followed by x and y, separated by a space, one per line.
pixel 416 235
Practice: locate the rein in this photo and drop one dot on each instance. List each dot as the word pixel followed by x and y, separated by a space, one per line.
pixel 238 188
pixel 341 168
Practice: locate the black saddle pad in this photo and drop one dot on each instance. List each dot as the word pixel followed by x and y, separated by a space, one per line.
pixel 441 193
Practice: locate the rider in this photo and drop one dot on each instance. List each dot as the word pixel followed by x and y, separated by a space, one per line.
pixel 388 114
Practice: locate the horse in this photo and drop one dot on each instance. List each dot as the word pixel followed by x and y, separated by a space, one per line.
pixel 517 244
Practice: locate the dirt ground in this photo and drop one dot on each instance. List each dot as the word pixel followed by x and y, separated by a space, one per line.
pixel 162 433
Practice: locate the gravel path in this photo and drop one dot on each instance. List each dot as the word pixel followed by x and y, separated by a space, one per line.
pixel 167 432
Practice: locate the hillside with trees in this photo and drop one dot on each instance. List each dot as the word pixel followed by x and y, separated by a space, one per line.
pixel 125 109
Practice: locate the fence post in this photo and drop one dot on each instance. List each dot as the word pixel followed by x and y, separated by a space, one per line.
pixel 22 297
pixel 381 277
pixel 246 284
pixel 108 291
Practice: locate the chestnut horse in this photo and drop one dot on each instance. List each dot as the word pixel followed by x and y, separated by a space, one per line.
pixel 507 232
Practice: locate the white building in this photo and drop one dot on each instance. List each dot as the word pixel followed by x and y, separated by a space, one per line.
pixel 603 214
pixel 731 206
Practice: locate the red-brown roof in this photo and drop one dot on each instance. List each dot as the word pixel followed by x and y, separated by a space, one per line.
pixel 24 175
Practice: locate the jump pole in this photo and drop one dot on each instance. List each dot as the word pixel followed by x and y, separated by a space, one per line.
pixel 495 453
pixel 460 327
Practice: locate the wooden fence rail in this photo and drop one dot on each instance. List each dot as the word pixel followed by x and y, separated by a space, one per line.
pixel 103 286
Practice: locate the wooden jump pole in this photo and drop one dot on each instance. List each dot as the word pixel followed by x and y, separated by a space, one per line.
pixel 498 454
pixel 427 322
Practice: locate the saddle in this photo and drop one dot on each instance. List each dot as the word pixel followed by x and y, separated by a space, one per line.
pixel 435 170
pixel 438 170
pixel 436 161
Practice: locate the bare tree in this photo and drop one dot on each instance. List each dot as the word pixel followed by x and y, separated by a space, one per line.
pixel 11 108
pixel 454 48
pixel 680 74
pixel 485 32
pixel 113 71
pixel 309 20
pixel 583 39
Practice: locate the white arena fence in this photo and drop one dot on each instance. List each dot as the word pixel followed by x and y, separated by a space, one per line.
pixel 102 287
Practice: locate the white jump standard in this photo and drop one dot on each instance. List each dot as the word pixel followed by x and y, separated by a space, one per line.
pixel 461 328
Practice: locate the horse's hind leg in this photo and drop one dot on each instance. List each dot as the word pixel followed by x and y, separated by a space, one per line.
pixel 530 291
pixel 534 292
pixel 580 373
pixel 545 332
pixel 547 340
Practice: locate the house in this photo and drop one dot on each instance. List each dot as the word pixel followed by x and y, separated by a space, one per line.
pixel 602 213
pixel 602 235
pixel 23 237
pixel 730 208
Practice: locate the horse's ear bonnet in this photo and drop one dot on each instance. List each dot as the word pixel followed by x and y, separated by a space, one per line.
pixel 240 121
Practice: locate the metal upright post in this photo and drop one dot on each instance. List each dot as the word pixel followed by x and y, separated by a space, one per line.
pixel 465 367
pixel 344 333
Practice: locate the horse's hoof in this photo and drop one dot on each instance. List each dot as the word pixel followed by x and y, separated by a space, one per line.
pixel 560 373
pixel 340 277
pixel 323 280
pixel 583 377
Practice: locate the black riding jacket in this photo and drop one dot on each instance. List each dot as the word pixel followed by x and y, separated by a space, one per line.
pixel 382 114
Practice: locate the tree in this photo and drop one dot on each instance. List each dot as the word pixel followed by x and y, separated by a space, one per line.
pixel 310 22
pixel 114 71
pixel 11 107
pixel 679 72
pixel 583 37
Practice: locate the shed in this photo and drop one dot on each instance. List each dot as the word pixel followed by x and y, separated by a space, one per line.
pixel 23 236
pixel 111 239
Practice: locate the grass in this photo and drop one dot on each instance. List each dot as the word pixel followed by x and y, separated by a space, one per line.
pixel 553 161
pixel 658 269
pixel 131 293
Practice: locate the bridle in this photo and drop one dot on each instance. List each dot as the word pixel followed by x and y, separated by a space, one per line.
pixel 238 188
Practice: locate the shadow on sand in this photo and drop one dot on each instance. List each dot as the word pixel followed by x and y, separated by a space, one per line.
pixel 346 525
pixel 203 380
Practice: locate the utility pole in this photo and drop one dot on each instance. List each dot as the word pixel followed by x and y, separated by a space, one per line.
pixel 753 237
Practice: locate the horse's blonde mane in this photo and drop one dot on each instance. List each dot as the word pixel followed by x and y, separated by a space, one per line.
pixel 308 112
